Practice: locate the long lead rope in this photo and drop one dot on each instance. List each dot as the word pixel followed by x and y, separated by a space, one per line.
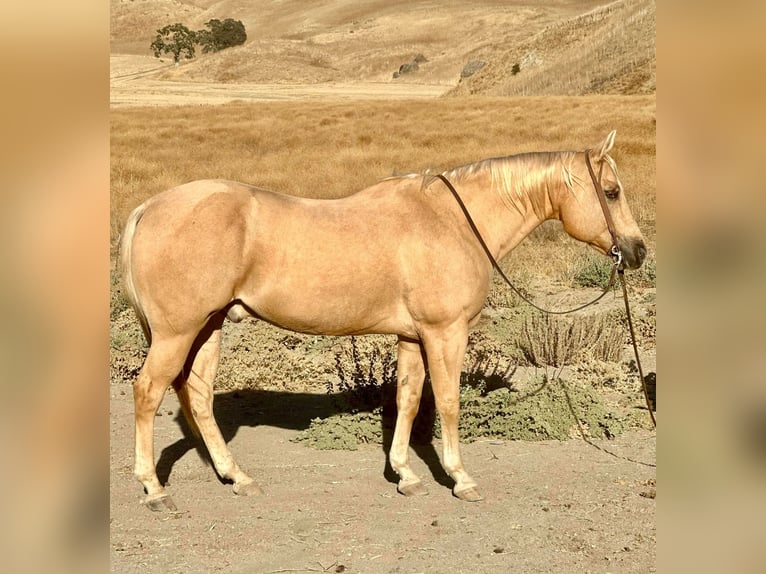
pixel 635 347
pixel 615 269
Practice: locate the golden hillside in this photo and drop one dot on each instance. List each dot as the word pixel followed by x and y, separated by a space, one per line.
pixel 608 50
pixel 563 46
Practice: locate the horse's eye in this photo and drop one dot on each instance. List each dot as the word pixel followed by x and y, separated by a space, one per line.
pixel 613 193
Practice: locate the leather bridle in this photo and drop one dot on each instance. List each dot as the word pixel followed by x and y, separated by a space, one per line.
pixel 614 252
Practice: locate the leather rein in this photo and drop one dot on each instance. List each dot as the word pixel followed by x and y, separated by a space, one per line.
pixel 615 253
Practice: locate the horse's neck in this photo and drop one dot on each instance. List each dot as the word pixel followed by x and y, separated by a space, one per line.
pixel 504 226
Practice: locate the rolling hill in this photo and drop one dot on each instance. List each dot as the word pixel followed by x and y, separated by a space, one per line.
pixel 560 47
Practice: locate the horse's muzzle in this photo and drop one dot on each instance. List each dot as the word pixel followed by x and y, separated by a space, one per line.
pixel 633 252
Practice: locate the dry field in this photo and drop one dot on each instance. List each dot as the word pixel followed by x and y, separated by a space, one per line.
pixel 333 149
pixel 308 107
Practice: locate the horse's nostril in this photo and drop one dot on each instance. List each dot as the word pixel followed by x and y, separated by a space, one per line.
pixel 634 250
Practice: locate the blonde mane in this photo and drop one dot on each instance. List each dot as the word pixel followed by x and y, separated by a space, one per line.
pixel 518 179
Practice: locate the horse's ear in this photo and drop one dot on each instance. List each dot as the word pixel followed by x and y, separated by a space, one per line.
pixel 605 146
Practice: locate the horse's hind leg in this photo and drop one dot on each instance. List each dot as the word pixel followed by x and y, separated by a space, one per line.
pixel 445 349
pixel 163 364
pixel 410 373
pixel 196 397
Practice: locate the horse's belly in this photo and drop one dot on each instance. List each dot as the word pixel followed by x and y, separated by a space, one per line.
pixel 320 310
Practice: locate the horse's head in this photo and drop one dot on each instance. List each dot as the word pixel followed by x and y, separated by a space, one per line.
pixel 583 217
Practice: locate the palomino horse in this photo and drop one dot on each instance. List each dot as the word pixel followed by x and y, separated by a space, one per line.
pixel 395 258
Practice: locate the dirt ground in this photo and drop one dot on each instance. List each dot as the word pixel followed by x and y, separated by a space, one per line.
pixel 549 506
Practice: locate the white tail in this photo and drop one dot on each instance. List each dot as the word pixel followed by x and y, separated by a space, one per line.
pixel 126 268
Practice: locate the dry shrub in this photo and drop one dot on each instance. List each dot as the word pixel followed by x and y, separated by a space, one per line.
pixel 553 340
pixel 366 371
pixel 592 270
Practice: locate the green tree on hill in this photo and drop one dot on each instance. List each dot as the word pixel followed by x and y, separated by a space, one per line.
pixel 174 39
pixel 221 34
pixel 178 40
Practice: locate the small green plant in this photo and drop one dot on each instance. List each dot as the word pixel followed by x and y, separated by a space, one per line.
pixel 344 431
pixel 593 271
pixel 515 69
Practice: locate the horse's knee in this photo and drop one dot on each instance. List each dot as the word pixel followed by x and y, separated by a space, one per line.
pixel 202 409
pixel 408 404
pixel 448 407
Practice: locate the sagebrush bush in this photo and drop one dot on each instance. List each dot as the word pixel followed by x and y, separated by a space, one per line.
pixel 366 374
pixel 554 340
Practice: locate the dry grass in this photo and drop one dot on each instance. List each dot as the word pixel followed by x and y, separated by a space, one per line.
pixel 338 40
pixel 334 149
pixel 608 50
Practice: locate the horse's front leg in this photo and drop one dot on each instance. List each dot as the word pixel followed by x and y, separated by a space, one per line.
pixel 445 349
pixel 410 374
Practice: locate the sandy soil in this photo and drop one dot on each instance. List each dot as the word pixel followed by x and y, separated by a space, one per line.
pixel 549 506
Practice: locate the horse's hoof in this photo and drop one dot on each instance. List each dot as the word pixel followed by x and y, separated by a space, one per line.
pixel 469 494
pixel 160 503
pixel 412 489
pixel 247 488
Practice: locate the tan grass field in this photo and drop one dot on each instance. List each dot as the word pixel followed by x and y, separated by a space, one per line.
pixel 321 149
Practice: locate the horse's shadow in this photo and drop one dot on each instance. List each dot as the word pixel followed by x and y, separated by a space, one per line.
pixel 295 411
